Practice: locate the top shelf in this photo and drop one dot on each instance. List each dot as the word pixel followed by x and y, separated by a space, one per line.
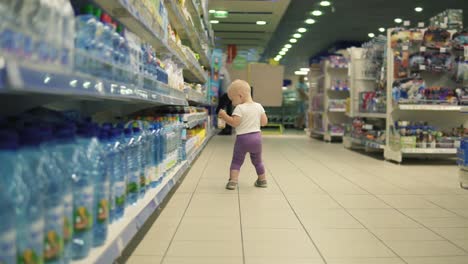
pixel 150 31
pixel 182 26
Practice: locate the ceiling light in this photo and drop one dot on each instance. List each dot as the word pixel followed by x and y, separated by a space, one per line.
pixel 282 53
pixel 214 21
pixel 325 3
pixel 261 22
pixel 398 20
pixel 382 29
pixel 310 21
pixel 371 35
pixel 288 46
pixel 212 11
pixel 418 9
pixel 297 35
pixel 316 13
pixel 221 14
pixel 293 40
pixel 277 59
pixel 285 88
pixel 301 30
pixel 300 73
pixel 305 69
pixel 306 79
pixel 284 49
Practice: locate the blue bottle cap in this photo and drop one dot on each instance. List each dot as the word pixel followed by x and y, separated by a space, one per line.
pixel 103 134
pixel 136 130
pixel 128 132
pixel 65 131
pixel 31 136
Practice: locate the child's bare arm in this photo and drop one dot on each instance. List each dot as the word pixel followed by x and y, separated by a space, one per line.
pixel 233 121
pixel 264 120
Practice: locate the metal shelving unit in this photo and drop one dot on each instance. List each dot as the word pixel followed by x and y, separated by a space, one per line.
pixel 439 115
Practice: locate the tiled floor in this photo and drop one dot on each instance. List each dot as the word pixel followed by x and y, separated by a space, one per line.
pixel 324 204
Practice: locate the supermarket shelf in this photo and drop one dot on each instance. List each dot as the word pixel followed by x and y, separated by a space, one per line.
pixel 464 109
pixel 317 112
pixel 365 143
pixel 366 79
pixel 337 110
pixel 449 151
pixel 336 134
pixel 417 107
pixel 122 232
pixel 196 97
pixel 372 115
pixel 318 132
pixel 182 26
pixel 196 122
pixel 31 80
pixel 150 31
pixel 339 89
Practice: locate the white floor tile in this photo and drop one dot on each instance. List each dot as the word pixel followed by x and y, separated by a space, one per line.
pixel 324 204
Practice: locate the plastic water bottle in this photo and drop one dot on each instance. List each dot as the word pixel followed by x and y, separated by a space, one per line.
pixel 11 189
pixel 65 155
pixel 162 149
pixel 152 156
pixel 140 160
pixel 68 29
pixel 30 218
pixel 53 202
pixel 85 42
pixel 118 176
pixel 102 189
pixel 133 176
pixel 83 192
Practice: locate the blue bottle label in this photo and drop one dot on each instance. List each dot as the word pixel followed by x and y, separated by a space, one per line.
pixel 67 218
pixel 31 250
pixel 53 234
pixel 82 210
pixel 8 247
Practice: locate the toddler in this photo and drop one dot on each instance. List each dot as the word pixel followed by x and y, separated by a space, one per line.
pixel 247 118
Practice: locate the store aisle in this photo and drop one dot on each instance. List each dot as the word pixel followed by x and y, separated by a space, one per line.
pixel 324 204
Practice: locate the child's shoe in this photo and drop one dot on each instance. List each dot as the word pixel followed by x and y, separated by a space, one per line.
pixel 261 183
pixel 231 185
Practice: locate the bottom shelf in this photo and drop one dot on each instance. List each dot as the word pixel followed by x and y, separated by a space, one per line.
pixel 122 231
pixel 349 141
pixel 397 155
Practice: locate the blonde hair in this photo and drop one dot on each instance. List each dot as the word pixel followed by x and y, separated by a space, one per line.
pixel 241 87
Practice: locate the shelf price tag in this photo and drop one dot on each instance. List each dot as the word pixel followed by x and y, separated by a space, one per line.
pixel 406 23
pixel 421 24
pixel 443 50
pixel 422 49
pixel 422 67
pixel 405 47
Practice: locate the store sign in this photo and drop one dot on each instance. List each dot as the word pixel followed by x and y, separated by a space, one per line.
pixel 240 63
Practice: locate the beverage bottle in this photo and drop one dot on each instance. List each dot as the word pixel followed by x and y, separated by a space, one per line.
pixel 53 201
pixel 30 217
pixel 83 190
pixel 119 175
pixel 133 176
pixel 68 29
pixel 12 193
pixel 152 155
pixel 102 189
pixel 64 153
pixel 85 40
pixel 140 159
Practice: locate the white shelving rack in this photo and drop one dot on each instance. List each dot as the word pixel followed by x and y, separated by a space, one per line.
pixel 315 76
pixel 442 116
pixel 358 83
pixel 332 115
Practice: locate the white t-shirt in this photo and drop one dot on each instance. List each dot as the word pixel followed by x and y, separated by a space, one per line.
pixel 250 114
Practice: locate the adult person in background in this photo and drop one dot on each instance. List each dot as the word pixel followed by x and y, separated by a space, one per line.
pixel 302 99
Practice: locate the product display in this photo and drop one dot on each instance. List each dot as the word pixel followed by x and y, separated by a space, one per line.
pixel 366 132
pixel 422 135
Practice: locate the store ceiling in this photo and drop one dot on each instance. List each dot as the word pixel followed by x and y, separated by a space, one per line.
pixel 350 20
pixel 240 26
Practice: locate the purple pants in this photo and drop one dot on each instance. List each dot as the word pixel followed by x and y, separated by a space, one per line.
pixel 248 143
